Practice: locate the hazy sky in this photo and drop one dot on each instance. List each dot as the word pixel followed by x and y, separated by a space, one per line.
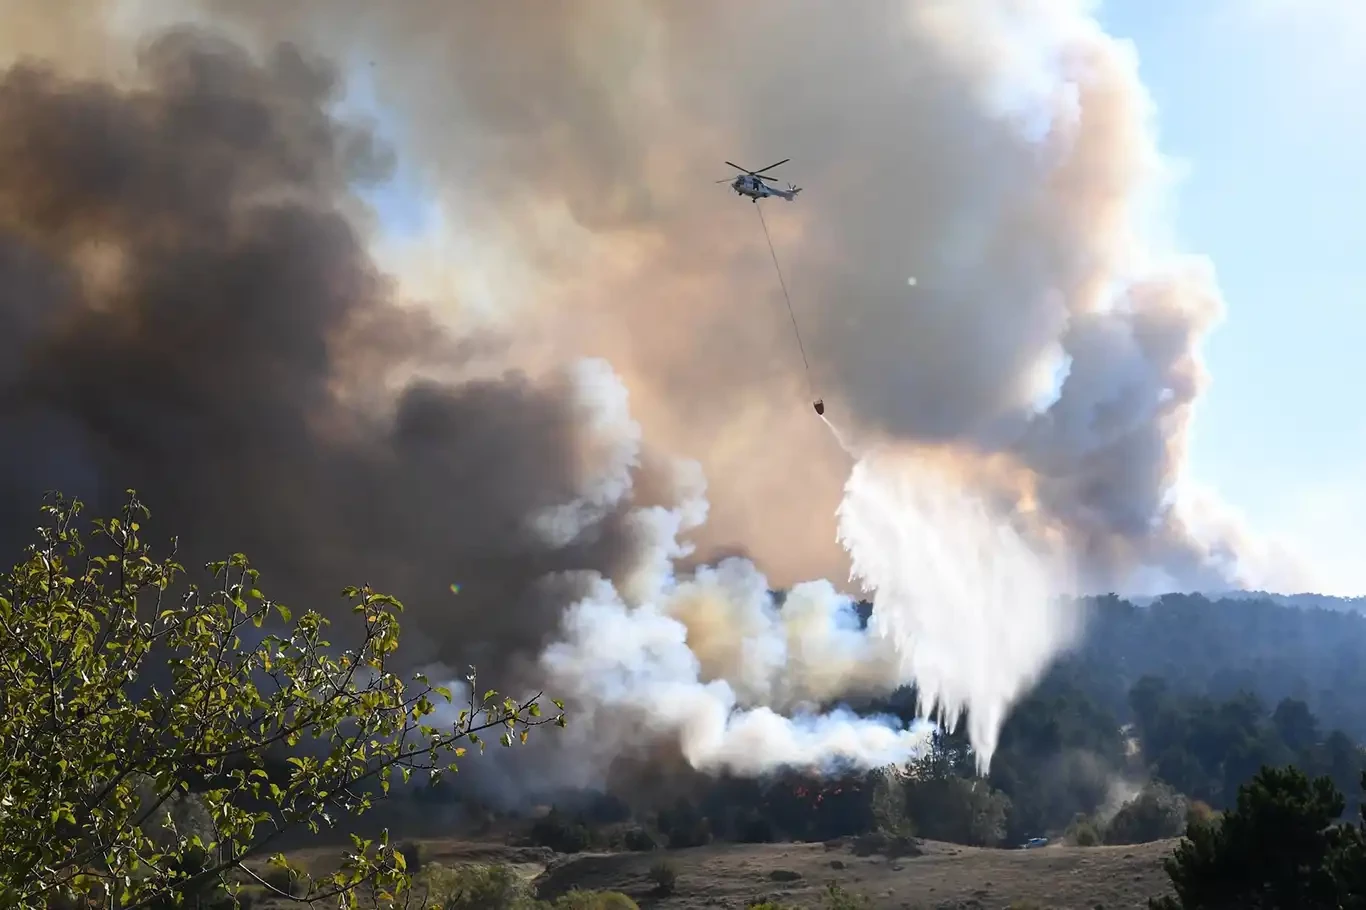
pixel 1257 100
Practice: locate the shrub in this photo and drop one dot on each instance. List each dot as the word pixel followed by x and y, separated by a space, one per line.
pixel 665 877
pixel 638 839
pixel 1084 832
pixel 560 833
pixel 837 898
pixel 412 855
pixel 479 886
pixel 1200 813
pixel 595 900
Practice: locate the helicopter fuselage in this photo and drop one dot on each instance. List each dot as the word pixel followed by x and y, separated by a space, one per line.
pixel 756 189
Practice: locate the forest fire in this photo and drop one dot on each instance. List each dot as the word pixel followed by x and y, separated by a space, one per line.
pixel 816 794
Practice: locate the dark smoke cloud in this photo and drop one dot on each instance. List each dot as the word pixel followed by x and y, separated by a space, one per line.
pixel 189 312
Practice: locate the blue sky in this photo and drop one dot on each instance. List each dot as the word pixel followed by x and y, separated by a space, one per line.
pixel 1259 99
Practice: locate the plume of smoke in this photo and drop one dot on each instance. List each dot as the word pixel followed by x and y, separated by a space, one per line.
pixel 1002 153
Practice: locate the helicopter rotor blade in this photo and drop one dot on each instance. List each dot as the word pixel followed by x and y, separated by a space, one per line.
pixel 769 168
pixel 738 168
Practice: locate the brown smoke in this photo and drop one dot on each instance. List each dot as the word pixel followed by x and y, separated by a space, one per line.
pixel 190 313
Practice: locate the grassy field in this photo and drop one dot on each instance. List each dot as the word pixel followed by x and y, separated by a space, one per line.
pixel 944 877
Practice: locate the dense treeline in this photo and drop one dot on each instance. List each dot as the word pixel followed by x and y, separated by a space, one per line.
pixel 1223 647
pixel 1161 714
pixel 1208 749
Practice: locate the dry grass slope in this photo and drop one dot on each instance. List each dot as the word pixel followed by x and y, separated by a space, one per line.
pixel 944 877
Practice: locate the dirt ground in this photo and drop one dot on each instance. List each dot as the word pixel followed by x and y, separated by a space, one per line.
pixel 945 877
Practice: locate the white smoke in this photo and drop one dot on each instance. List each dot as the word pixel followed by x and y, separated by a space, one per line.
pixel 612 443
pixel 964 609
pixel 637 659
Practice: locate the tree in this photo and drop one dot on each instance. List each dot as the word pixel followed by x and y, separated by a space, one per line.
pixel 684 825
pixel 1156 813
pixel 126 701
pixel 890 816
pixel 1348 863
pixel 944 805
pixel 1278 847
pixel 1297 726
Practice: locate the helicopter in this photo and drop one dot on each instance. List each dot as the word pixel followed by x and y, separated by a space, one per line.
pixel 751 183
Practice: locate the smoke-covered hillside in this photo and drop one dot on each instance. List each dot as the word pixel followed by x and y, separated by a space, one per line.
pixel 1220 647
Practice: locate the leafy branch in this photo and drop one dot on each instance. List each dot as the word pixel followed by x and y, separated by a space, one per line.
pixel 123 706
